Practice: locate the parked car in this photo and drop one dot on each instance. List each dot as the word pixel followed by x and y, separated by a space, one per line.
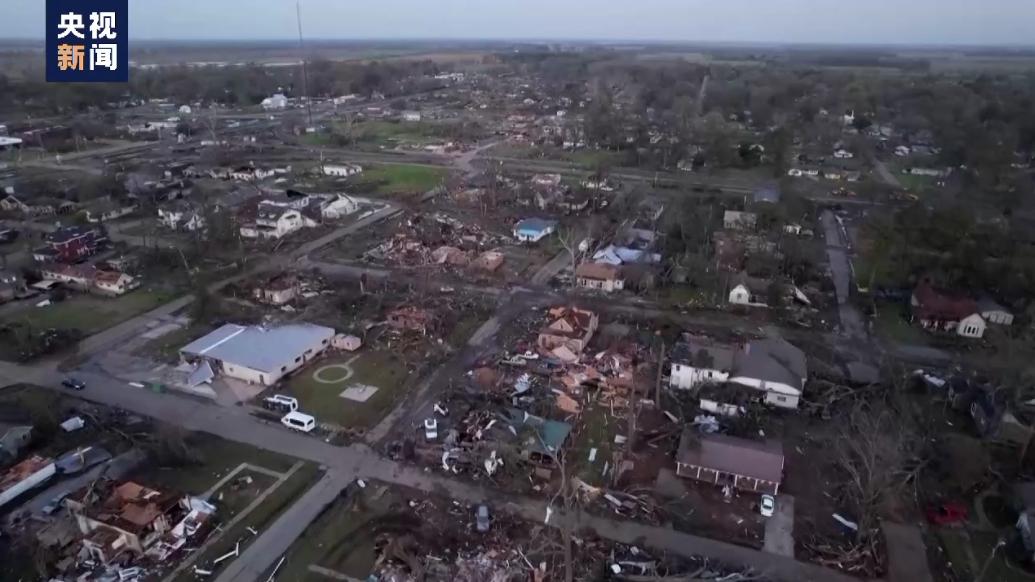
pixel 949 513
pixel 280 403
pixel 73 384
pixel 481 518
pixel 768 506
pixel 298 421
pixel 53 505
pixel 430 429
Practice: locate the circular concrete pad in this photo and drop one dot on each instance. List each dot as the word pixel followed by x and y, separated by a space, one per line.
pixel 325 374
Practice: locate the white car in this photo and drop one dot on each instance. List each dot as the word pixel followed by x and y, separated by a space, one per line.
pixel 768 506
pixel 430 429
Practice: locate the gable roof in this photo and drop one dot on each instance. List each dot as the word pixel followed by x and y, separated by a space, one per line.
pixel 930 303
pixel 772 360
pixel 598 271
pixel 754 459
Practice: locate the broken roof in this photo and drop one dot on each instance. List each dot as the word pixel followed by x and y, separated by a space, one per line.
pixel 265 349
pixel 688 352
pixel 727 454
pixel 569 322
pixel 598 271
pixel 538 435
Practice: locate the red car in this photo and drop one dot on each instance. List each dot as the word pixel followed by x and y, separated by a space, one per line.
pixel 951 513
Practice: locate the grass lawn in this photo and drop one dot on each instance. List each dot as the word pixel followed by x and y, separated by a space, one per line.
pixel 598 432
pixel 342 537
pixel 395 179
pixel 464 329
pixel 259 519
pixel 892 325
pixel 916 184
pixel 217 457
pixel 591 159
pixel 233 497
pixel 968 551
pixel 90 313
pixel 381 369
pixel 166 348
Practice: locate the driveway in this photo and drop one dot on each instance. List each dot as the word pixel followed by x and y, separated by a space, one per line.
pixel 779 529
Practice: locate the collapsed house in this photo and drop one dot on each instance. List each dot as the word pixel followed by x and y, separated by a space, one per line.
pixel 129 520
pixel 568 332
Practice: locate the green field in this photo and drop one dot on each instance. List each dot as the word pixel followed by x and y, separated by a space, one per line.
pixel 89 313
pixel 892 325
pixel 397 179
pixel 383 370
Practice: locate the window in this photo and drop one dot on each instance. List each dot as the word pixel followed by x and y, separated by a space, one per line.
pixel 298 359
pixel 781 399
pixel 283 368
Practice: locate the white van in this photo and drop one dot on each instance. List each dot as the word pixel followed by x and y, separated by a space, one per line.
pixel 298 421
pixel 280 403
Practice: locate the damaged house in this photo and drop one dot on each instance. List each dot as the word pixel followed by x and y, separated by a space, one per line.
pixel 771 366
pixel 568 332
pixel 121 519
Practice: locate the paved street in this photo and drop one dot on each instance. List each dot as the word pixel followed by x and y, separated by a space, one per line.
pixel 345 464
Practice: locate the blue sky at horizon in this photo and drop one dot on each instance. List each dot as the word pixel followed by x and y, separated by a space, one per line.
pixel 922 22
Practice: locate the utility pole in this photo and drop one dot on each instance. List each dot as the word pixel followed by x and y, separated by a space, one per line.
pixel 305 72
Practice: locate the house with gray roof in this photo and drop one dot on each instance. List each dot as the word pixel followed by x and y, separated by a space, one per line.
pixel 772 366
pixel 747 465
pixel 257 354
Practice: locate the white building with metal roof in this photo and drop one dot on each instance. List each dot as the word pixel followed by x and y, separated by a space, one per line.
pixel 256 354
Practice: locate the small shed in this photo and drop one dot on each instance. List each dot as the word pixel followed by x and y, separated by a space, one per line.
pixel 349 343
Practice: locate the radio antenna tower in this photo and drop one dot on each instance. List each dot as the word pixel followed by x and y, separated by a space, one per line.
pixel 305 73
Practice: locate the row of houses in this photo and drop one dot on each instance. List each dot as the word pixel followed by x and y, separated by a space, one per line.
pixel 90 278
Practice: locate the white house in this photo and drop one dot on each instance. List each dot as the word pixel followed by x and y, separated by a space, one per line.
pixel 185 109
pixel 258 355
pixel 699 361
pixel 740 295
pixel 972 326
pixel 748 290
pixel 992 312
pixel 771 366
pixel 411 116
pixel 249 173
pixel 599 276
pixel 534 229
pixel 902 151
pixel 277 101
pixel 338 206
pixel 342 170
pixel 180 217
pixel 275 222
pixel 114 283
pixel 843 154
pixel 795 172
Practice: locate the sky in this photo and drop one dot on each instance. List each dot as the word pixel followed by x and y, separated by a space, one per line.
pixel 922 22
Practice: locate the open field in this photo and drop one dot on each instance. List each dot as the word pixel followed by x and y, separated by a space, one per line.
pixel 399 179
pixel 89 313
pixel 319 386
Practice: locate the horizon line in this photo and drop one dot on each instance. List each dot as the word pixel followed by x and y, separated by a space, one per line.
pixel 593 41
